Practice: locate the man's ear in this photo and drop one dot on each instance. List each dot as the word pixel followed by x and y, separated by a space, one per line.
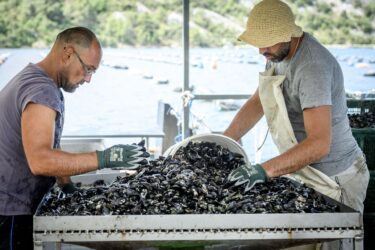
pixel 67 53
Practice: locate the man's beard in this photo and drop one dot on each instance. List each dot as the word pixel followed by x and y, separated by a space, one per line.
pixel 66 85
pixel 280 54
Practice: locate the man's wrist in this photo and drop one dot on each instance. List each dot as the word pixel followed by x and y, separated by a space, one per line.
pixel 101 160
pixel 262 172
pixel 68 188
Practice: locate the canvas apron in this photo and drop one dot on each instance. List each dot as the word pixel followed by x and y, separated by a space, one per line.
pixel 276 114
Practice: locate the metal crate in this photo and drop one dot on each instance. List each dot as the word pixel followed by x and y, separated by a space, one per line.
pixel 370 194
pixel 200 231
pixel 365 137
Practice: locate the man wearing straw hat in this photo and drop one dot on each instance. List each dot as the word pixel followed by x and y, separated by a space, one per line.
pixel 302 96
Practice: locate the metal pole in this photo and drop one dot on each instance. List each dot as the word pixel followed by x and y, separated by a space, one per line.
pixel 186 108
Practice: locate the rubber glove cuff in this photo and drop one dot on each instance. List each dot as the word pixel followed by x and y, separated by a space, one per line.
pixel 69 188
pixel 101 159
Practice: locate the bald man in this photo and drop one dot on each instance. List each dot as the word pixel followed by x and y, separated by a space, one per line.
pixel 31 122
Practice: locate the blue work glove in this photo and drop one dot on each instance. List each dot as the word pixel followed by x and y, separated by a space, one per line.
pixel 248 175
pixel 123 156
pixel 69 188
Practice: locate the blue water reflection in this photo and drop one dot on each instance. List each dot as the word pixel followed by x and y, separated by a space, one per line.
pixel 123 95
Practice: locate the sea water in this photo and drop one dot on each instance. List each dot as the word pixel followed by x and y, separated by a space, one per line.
pixel 122 101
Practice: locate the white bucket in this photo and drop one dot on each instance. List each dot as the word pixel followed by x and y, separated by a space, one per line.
pixel 221 140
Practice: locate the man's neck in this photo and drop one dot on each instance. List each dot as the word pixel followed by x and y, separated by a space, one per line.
pixel 49 66
pixel 295 42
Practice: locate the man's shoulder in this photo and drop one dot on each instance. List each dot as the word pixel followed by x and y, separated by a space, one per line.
pixel 33 78
pixel 315 52
pixel 34 85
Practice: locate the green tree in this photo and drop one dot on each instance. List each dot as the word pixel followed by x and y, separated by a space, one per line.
pixel 25 23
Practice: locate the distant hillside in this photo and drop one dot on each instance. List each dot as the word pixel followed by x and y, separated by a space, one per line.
pixel 213 23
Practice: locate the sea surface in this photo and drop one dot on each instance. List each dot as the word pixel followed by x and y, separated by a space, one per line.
pixel 123 101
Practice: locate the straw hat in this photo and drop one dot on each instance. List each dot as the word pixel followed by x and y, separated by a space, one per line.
pixel 270 22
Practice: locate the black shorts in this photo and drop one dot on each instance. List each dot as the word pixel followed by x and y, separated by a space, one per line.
pixel 16 232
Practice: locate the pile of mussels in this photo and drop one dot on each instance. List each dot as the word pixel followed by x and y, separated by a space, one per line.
pixel 365 120
pixel 192 182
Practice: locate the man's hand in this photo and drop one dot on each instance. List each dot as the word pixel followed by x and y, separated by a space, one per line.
pixel 123 156
pixel 248 175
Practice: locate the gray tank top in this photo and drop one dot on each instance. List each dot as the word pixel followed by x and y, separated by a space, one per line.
pixel 314 78
pixel 20 190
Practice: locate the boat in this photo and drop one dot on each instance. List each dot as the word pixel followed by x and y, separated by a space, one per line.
pixel 369 73
pixel 120 66
pixel 4 57
pixel 228 105
pixel 362 65
pixel 147 76
pixel 114 65
pixel 198 65
pixel 250 61
pixel 162 81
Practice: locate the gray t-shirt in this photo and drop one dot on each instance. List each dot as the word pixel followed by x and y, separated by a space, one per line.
pixel 20 190
pixel 314 78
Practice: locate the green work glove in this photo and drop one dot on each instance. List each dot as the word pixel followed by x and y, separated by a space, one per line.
pixel 248 175
pixel 123 156
pixel 69 188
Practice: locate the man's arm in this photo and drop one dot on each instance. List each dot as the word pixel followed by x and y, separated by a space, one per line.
pixel 38 126
pixel 249 114
pixel 316 145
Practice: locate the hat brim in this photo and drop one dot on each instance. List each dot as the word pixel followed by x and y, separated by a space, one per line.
pixel 260 42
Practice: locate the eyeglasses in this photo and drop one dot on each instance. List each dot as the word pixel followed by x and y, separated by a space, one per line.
pixel 88 69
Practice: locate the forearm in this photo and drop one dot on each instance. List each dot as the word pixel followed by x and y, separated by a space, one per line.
pixel 249 114
pixel 58 163
pixel 38 130
pixel 317 123
pixel 308 151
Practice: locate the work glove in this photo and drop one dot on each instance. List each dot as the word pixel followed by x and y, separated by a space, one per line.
pixel 249 175
pixel 69 188
pixel 123 156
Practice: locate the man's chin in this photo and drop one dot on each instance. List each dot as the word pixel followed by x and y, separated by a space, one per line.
pixel 273 59
pixel 70 90
pixel 277 59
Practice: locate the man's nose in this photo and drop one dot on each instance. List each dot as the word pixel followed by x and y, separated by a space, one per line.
pixel 263 50
pixel 87 78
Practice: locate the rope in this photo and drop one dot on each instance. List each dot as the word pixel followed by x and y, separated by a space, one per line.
pixel 264 140
pixel 187 98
